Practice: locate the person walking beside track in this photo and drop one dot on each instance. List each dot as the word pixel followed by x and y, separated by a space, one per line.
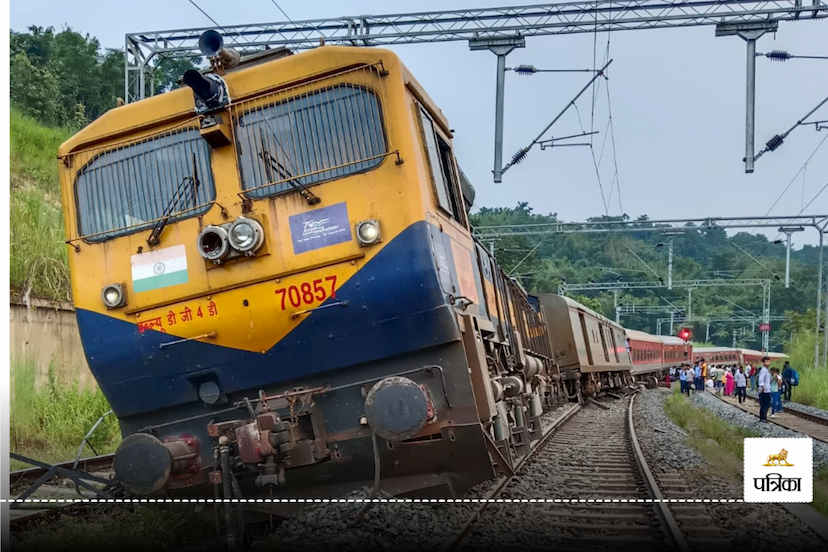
pixel 688 379
pixel 764 381
pixel 697 378
pixel 720 375
pixel 741 385
pixel 787 377
pixel 728 382
pixel 776 385
pixel 752 373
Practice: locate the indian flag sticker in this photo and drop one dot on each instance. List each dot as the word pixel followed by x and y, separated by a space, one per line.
pixel 159 269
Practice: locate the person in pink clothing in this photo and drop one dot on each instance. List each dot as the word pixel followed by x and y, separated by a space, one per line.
pixel 728 382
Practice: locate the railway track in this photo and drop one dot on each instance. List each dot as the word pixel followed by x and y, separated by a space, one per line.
pixel 21 514
pixel 590 455
pixel 795 420
pixel 601 465
pixel 102 463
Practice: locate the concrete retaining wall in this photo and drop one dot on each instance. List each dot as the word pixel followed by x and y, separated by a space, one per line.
pixel 48 334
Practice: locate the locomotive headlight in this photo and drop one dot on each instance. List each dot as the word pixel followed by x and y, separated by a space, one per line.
pixel 368 232
pixel 246 235
pixel 212 243
pixel 113 296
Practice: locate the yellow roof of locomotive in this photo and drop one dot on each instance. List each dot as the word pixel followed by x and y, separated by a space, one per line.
pixel 242 82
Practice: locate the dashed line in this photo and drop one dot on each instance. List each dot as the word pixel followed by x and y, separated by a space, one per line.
pixel 360 500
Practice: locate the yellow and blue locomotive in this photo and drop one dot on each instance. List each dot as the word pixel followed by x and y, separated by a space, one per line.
pixel 276 286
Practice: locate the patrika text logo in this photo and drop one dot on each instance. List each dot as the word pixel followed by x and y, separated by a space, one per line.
pixel 791 483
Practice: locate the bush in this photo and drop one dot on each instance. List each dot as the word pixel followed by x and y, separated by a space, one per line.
pixel 813 382
pixel 38 257
pixel 33 152
pixel 49 422
pixel 38 254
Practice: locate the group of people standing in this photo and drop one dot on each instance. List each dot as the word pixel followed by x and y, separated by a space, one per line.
pixel 734 379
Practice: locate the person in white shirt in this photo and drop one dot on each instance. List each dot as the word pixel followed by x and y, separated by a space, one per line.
pixel 764 390
pixel 741 384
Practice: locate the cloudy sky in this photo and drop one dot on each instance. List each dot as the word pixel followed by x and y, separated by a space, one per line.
pixel 677 97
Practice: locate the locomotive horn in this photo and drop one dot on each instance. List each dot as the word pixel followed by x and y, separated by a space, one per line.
pixel 211 45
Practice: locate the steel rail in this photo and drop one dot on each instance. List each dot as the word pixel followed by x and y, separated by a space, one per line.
pixel 798 413
pixel 673 533
pixel 30 475
pixel 459 539
pixel 787 410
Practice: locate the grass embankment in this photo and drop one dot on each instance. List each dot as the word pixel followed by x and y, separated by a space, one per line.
pixel 813 383
pixel 727 454
pixel 48 422
pixel 38 256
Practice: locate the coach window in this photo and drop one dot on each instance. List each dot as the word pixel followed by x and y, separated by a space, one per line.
pixel 443 172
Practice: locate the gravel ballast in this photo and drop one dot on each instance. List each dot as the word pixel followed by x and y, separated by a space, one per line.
pixel 394 526
pixel 664 443
pixel 740 418
pixel 798 406
pixel 751 526
pixel 743 523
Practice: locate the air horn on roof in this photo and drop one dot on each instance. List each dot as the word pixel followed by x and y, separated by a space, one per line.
pixel 211 45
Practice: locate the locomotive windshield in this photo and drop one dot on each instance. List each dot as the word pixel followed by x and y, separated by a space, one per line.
pixel 127 189
pixel 308 139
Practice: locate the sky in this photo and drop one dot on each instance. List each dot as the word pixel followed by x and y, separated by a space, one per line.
pixel 677 100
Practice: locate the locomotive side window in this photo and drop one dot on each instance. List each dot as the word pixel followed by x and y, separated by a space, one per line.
pixel 443 174
pixel 327 134
pixel 126 189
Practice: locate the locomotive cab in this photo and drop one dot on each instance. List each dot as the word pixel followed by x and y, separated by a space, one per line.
pixel 266 263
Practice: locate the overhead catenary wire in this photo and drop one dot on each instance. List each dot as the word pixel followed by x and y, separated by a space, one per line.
pixel 291 20
pixel 782 55
pixel 757 261
pixel 657 275
pixel 802 210
pixel 521 154
pixel 216 23
pixel 778 139
pixel 801 169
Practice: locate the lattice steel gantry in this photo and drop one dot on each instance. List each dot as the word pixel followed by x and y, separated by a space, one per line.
pixel 499 29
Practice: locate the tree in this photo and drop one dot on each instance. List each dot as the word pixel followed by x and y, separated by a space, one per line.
pixel 36 91
pixel 170 71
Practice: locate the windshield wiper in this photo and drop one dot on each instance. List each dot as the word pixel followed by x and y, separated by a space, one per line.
pixel 190 182
pixel 271 164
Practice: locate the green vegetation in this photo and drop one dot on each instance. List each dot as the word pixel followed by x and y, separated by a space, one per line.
pixel 65 80
pixel 48 422
pixel 704 427
pixel 121 527
pixel 704 424
pixel 813 383
pixel 698 254
pixel 58 83
pixel 38 255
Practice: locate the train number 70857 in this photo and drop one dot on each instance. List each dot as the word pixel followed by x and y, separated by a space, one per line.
pixel 307 293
